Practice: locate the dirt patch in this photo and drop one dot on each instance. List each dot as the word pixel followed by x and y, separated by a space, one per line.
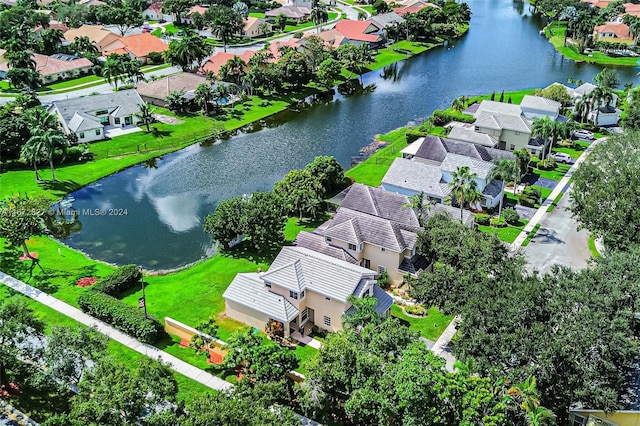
pixel 167 119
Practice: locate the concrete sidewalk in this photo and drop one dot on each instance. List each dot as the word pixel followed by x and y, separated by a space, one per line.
pixel 176 364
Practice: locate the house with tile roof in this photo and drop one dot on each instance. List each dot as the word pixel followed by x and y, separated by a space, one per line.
pixel 463 133
pixel 374 229
pixel 301 286
pixel 96 33
pixel 607 114
pixel 194 9
pixel 538 107
pixel 155 92
pixel 216 61
pixel 385 20
pixel 255 27
pixel 360 32
pixel 137 46
pixel 294 13
pixel 333 38
pixel 58 66
pixel 88 117
pixel 615 32
pixel 153 12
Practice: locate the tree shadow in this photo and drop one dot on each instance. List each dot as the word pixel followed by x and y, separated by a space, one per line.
pixel 11 264
pixel 60 187
pixel 133 290
pixel 546 236
pixel 244 250
pixel 156 133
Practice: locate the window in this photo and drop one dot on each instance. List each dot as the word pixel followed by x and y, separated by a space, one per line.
pixel 327 321
pixel 302 294
pixel 578 420
pixel 104 120
pixel 512 147
pixel 366 263
pixel 293 295
pixel 327 297
pixel 304 315
pixel 81 135
pixel 381 269
pixel 328 239
pixel 102 112
pixel 117 120
pixel 352 247
pixel 383 249
pixel 97 132
pixel 268 285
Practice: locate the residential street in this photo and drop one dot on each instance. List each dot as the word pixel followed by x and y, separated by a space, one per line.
pixel 558 241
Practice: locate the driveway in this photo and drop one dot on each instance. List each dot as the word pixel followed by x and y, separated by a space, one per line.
pixel 558 241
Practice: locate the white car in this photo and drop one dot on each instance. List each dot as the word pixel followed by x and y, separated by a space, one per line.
pixel 582 134
pixel 561 157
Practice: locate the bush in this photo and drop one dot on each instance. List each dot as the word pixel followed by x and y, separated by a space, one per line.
pixel 413 134
pixel 441 117
pixel 510 215
pixel 482 219
pixel 498 222
pixel 529 197
pixel 416 310
pixel 547 164
pixel 155 57
pixel 125 318
pixel 123 278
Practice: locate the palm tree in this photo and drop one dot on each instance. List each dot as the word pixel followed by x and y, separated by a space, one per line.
pixel 82 45
pixel 416 203
pixel 145 115
pixel 203 95
pixel 187 50
pixel 560 130
pixel 581 109
pixel 113 71
pixel 46 141
pixel 39 117
pixel 544 128
pixel 505 169
pixel 236 68
pixel 464 188
pixel 319 16
pixel 459 104
pixel 32 154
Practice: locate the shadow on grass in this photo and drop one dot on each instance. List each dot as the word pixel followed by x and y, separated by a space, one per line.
pixel 60 187
pixel 160 133
pixel 41 402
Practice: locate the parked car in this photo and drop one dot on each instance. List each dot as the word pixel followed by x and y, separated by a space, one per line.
pixel 561 157
pixel 582 134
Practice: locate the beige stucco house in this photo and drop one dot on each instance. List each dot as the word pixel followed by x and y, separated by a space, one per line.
pixel 301 286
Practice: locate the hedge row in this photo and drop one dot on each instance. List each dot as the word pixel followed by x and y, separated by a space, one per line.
pixel 125 318
pixel 442 117
pixel 123 278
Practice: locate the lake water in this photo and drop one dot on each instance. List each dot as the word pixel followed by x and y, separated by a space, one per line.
pixel 165 206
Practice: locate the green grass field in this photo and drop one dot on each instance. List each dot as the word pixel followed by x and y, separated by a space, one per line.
pixel 531 235
pixel 372 170
pixel 507 234
pixel 430 327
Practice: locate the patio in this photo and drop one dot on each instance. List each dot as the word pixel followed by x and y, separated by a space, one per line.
pixel 113 131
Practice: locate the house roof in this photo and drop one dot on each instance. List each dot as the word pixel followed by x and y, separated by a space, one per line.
pixel 217 60
pixel 293 12
pixel 418 177
pixel 318 243
pixel 138 45
pixel 81 122
pixel 274 48
pixel 598 3
pixel 53 26
pixel 540 103
pixel 196 9
pixel 379 203
pixel 620 29
pixel 384 300
pixel 499 121
pixel 386 19
pixel 118 104
pixel 155 7
pixel 160 88
pixel 332 38
pixel 499 107
pixel 96 33
pixel 481 168
pixel 48 65
pixel 415 8
pixel 436 149
pixel 249 290
pixel 300 268
pixel 467 216
pixel 469 135
pixel 357 30
pixel 250 21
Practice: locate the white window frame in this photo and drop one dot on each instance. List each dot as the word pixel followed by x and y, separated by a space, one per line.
pixel 326 321
pixel 352 247
pixel 381 269
pixel 293 294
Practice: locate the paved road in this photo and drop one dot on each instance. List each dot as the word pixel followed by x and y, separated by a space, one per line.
pixel 558 241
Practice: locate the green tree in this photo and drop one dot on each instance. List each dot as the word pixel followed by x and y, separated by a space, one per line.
pixel 224 23
pixel 319 16
pixel 82 45
pixel 556 92
pixel 18 325
pixel 616 160
pixel 417 204
pixel 281 21
pixel 607 78
pixel 21 219
pixel 202 342
pixel 363 313
pixel 459 104
pixel 301 193
pixel 504 170
pixel 176 101
pixel 145 115
pixel 328 72
pixel 545 129
pixel 113 70
pixel 203 96
pixel 329 172
pixel 263 220
pixel 464 187
pixel 241 9
pixel 380 6
pixel 46 142
pixel 49 41
pixel 295 69
pixel 187 51
pixel 33 154
pixel 177 8
pixel 123 17
pixel 224 224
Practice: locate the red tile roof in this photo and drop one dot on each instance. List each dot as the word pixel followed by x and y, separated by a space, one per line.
pixel 200 9
pixel 619 29
pixel 138 45
pixel 46 65
pixel 156 7
pixel 355 30
pixel 274 48
pixel 216 61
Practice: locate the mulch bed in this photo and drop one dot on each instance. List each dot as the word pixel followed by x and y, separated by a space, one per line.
pixel 86 281
pixel 33 254
pixel 12 389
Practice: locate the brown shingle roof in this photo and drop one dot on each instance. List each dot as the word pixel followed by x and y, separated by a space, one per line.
pixel 161 88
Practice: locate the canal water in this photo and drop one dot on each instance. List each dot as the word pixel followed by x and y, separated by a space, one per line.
pixel 158 209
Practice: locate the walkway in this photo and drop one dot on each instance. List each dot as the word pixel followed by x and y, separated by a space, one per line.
pixel 441 347
pixel 306 340
pixel 176 364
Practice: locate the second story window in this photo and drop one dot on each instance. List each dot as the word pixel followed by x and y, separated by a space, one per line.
pixel 383 249
pixel 293 295
pixel 352 247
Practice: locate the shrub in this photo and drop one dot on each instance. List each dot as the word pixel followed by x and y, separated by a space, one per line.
pixel 123 278
pixel 482 219
pixel 498 222
pixel 529 197
pixel 298 35
pixel 416 310
pixel 510 215
pixel 155 57
pixel 441 117
pixel 413 134
pixel 125 318
pixel 547 164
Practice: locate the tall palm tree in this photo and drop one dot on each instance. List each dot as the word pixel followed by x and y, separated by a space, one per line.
pixel 113 71
pixel 46 141
pixel 544 128
pixel 505 169
pixel 187 50
pixel 416 203
pixel 32 153
pixel 236 68
pixel 463 187
pixel 82 45
pixel 459 104
pixel 145 115
pixel 38 117
pixel 319 16
pixel 203 95
pixel 581 109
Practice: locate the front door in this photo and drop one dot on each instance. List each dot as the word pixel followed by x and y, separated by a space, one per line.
pixel 127 121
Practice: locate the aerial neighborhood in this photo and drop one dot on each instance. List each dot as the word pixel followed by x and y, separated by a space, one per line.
pixel 332 212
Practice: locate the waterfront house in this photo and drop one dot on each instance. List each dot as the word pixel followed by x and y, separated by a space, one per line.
pixel 88 117
pixel 462 132
pixel 606 114
pixel 616 32
pixel 360 32
pixel 538 107
pixel 58 66
pixel 155 92
pixel 385 20
pixel 301 286
pixel 216 61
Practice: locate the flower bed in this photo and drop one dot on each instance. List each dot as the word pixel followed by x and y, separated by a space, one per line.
pixel 86 281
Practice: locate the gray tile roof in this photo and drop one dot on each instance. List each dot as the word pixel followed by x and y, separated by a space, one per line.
pixel 317 242
pixel 436 149
pixel 416 176
pixel 386 19
pixel 380 203
pixel 384 301
pixel 498 107
pixel 249 290
pixel 320 273
pixel 499 121
pixel 481 168
pixel 540 103
pixel 493 189
pixel 453 212
pixel 372 230
pixel 81 122
pixel 464 134
pixel 118 104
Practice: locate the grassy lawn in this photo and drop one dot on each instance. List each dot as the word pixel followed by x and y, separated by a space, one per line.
pixel 531 235
pixel 257 15
pixel 516 96
pixel 555 202
pixel 397 52
pixel 301 26
pixel 555 33
pixel 430 327
pixel 592 247
pixel 372 170
pixel 555 174
pixel 507 234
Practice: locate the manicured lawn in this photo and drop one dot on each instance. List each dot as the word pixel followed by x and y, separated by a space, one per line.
pixel 555 174
pixel 301 26
pixel 430 327
pixel 397 52
pixel 574 152
pixel 507 234
pixel 257 15
pixel 592 247
pixel 372 170
pixel 555 202
pixel 516 96
pixel 294 226
pixel 531 235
